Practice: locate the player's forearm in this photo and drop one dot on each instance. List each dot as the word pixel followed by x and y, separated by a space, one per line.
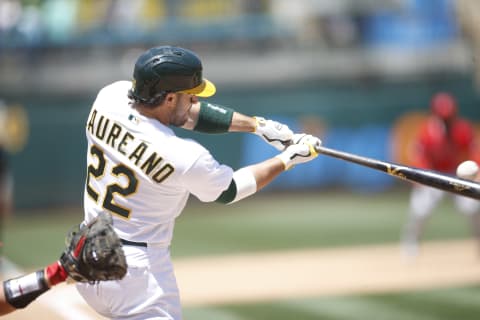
pixel 242 123
pixel 211 118
pixel 248 180
pixel 266 171
pixel 302 150
pixel 19 292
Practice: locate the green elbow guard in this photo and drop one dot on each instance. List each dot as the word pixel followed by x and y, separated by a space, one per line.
pixel 213 118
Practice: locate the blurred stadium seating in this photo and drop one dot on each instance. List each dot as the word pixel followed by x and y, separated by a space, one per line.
pixel 358 65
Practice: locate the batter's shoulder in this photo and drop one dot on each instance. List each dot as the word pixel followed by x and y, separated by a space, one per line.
pixel 113 96
pixel 190 146
pixel 186 151
pixel 116 88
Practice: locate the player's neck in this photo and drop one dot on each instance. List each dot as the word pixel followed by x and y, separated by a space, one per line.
pixel 152 112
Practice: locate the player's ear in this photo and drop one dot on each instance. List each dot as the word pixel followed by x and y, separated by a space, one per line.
pixel 171 97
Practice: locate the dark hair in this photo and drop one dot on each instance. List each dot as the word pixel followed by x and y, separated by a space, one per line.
pixel 150 103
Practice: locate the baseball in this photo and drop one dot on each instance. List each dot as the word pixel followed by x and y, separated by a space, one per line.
pixel 467 170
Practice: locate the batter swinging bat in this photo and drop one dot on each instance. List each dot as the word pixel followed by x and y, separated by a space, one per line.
pixel 427 177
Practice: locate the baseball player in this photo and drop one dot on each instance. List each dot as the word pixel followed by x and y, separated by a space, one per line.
pixel 142 173
pixel 94 253
pixel 444 141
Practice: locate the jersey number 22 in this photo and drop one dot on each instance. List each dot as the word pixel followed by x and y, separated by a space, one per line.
pixel 114 189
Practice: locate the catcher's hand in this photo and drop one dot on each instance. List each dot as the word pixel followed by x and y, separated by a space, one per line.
pixel 94 252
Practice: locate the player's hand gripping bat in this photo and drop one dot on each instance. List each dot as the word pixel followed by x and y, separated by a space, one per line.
pixel 430 178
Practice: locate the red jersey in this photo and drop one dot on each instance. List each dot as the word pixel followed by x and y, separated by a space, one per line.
pixel 442 150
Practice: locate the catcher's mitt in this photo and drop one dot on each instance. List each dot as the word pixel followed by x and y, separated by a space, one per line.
pixel 94 252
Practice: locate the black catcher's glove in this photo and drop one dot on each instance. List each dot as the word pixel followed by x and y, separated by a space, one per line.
pixel 94 252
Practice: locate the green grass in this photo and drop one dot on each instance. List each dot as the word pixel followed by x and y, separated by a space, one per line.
pixel 263 222
pixel 444 304
pixel 277 222
pixel 35 238
pixel 304 221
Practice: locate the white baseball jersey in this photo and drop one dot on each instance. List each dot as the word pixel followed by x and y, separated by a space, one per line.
pixel 141 172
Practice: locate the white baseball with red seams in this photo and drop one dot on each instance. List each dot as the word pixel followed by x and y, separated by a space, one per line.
pixel 467 169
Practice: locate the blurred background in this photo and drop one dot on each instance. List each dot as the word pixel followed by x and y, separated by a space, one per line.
pixel 357 73
pixel 346 70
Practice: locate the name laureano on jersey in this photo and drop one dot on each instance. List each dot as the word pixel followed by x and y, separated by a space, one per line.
pixel 120 139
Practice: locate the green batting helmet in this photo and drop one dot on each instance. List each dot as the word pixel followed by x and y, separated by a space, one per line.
pixel 166 69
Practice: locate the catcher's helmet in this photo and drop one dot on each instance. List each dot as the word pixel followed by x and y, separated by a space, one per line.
pixel 166 69
pixel 443 105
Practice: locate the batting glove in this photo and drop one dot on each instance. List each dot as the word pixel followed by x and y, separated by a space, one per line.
pixel 302 149
pixel 274 133
pixel 306 139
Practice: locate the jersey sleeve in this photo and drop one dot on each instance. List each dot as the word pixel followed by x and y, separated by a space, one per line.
pixel 112 95
pixel 206 179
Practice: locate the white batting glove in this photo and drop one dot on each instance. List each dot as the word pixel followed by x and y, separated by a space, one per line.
pixel 306 139
pixel 274 133
pixel 300 151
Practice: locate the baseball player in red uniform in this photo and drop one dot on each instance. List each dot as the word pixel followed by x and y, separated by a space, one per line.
pixel 142 173
pixel 444 141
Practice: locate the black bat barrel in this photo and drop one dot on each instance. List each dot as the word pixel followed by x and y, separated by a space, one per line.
pixel 430 178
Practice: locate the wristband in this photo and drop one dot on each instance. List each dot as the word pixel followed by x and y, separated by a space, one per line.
pixel 21 291
pixel 246 183
pixel 213 118
pixel 55 273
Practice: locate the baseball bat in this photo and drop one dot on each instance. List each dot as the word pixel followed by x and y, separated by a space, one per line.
pixel 430 178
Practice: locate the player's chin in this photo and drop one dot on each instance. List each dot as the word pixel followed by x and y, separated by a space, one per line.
pixel 179 122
